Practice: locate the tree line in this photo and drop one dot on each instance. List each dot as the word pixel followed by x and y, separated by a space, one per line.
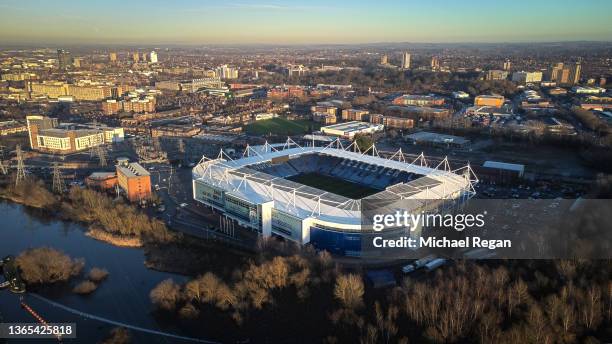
pixel 304 294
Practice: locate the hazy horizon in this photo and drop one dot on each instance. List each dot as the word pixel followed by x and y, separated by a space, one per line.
pixel 316 22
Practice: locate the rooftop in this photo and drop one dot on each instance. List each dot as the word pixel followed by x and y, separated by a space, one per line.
pixel 438 138
pixel 351 126
pixel 133 169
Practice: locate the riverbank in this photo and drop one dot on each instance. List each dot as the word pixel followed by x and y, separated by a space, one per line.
pixel 110 220
pixel 191 256
pixel 123 296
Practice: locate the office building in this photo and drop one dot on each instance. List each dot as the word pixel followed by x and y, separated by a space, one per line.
pixel 523 77
pixel 354 115
pixel 295 70
pixel 136 57
pixel 405 61
pixel 153 57
pixel 112 57
pixel 135 105
pixel 496 74
pixel 18 76
pixel 565 75
pixel 134 180
pixel 46 135
pixel 554 71
pixel 574 75
pixel 392 122
pixel 89 92
pixel 435 63
pixel 324 118
pixel 320 108
pixel 63 59
pixel 226 72
pixel 111 107
pixel 418 100
pixel 507 65
pixel 384 59
pixel 57 89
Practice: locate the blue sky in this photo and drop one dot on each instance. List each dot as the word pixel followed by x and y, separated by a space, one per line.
pixel 314 21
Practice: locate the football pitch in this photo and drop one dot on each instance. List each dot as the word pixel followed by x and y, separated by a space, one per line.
pixel 334 185
pixel 281 126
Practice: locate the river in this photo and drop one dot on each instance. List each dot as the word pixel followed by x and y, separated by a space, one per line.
pixel 122 297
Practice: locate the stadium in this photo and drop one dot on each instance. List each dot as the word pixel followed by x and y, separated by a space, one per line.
pixel 315 195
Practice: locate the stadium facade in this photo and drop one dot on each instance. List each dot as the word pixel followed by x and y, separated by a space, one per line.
pixel 256 192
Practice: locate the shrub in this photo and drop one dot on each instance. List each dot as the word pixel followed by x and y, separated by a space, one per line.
pixel 166 295
pixel 85 287
pixel 97 275
pixel 47 265
pixel 118 335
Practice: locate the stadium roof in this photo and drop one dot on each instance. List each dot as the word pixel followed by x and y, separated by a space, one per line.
pixel 239 180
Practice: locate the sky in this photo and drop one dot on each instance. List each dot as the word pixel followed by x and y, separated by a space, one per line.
pixel 302 22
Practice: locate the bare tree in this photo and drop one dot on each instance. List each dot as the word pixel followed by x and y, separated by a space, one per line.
pixel 166 295
pixel 349 290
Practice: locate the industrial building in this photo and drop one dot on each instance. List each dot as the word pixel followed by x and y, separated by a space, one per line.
pixel 102 180
pixel 350 129
pixel 489 100
pixel 134 180
pixel 436 139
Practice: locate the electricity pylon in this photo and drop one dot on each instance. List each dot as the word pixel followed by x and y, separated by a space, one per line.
pixel 20 167
pixel 3 168
pixel 101 155
pixel 58 181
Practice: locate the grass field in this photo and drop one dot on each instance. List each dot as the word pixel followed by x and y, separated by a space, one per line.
pixel 334 185
pixel 281 126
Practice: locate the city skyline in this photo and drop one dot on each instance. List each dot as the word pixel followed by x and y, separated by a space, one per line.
pixel 300 22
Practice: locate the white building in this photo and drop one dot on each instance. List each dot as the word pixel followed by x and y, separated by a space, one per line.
pixel 406 60
pixel 226 72
pixel 350 129
pixel 153 57
pixel 263 116
pixel 588 90
pixel 460 95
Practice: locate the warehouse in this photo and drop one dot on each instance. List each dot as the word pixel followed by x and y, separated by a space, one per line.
pixel 350 129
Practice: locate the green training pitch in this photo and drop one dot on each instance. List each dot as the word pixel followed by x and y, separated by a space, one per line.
pixel 334 185
pixel 281 126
